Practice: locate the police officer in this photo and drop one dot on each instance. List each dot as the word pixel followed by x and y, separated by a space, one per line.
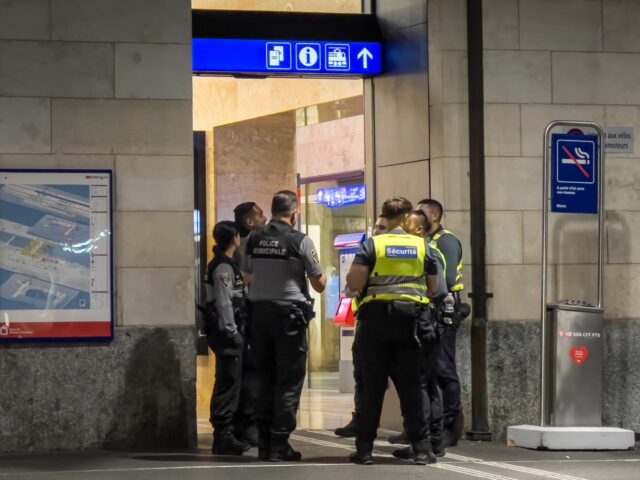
pixel 419 225
pixel 448 379
pixel 277 259
pixel 392 272
pixel 224 323
pixel 248 217
pixel 349 430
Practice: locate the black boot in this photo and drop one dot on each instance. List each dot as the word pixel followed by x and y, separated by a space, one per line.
pixel 264 443
pixel 282 451
pixel 405 453
pixel 401 439
pixel 423 454
pixel 349 430
pixel 224 443
pixel 363 454
pixel 449 439
pixel 248 435
pixel 438 449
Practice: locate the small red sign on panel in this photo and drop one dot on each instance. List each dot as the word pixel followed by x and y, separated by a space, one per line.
pixel 579 355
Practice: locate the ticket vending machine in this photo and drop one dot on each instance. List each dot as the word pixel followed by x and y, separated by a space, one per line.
pixel 347 245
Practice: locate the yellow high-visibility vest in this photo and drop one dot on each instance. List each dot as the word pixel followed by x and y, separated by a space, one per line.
pixel 399 270
pixel 458 285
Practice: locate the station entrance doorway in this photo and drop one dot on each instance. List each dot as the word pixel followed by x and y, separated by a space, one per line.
pixel 316 149
pixel 278 95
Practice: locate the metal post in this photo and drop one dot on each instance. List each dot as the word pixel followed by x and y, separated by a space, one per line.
pixel 544 362
pixel 479 396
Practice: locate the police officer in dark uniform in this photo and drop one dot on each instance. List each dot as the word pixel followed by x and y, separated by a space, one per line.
pixel 448 380
pixel 349 430
pixel 224 325
pixel 248 217
pixel 419 225
pixel 393 274
pixel 277 262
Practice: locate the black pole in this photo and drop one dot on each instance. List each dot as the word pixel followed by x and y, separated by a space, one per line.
pixel 479 397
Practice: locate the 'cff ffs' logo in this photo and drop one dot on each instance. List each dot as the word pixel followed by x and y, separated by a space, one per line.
pixel 401 252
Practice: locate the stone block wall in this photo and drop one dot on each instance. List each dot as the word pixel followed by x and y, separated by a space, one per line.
pixel 539 67
pixel 401 98
pixel 107 84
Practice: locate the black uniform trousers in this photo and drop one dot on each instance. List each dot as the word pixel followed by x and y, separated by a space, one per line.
pixel 357 372
pixel 387 348
pixel 279 346
pixel 246 414
pixel 432 394
pixel 226 391
pixel 449 383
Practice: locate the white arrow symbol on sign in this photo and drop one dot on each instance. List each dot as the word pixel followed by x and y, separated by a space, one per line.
pixel 365 55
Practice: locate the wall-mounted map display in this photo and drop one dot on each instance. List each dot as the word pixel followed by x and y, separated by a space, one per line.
pixel 55 255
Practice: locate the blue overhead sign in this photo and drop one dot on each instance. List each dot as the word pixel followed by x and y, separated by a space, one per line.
pixel 293 58
pixel 574 182
pixel 341 196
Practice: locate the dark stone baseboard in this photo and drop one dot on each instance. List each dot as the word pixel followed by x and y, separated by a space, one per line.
pixel 513 363
pixel 138 392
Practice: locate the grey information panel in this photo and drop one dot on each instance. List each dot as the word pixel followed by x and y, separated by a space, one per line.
pixel 575 389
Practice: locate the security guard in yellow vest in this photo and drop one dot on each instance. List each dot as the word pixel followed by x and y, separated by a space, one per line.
pixel 447 371
pixel 393 274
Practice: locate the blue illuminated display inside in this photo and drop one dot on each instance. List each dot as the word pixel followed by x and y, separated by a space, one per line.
pixel 341 196
pixel 273 57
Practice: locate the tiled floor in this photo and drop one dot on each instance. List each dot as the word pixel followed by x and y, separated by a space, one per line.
pixel 319 410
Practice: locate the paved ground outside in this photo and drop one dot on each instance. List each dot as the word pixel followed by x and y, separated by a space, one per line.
pixel 325 457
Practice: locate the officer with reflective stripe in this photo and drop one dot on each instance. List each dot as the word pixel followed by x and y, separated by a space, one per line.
pixel 448 379
pixel 225 316
pixel 419 225
pixel 278 260
pixel 393 273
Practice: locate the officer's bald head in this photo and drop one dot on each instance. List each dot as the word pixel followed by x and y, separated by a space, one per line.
pixel 284 204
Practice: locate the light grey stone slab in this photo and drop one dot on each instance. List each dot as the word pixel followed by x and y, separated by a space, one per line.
pixel 398 14
pixel 620 18
pixel 24 19
pixel 447 21
pixel 146 21
pixel 56 69
pixel 153 71
pixel 161 183
pixel 402 100
pixel 411 180
pixel 513 183
pixel 502 134
pixel 596 78
pixel 123 126
pixel 137 392
pixel 155 296
pixel 504 238
pixel 450 182
pixel 58 161
pixel 500 24
pixel 565 25
pixel 154 239
pixel 25 125
pixel 449 125
pixel 516 290
pixel 622 184
pixel 517 76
